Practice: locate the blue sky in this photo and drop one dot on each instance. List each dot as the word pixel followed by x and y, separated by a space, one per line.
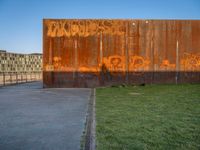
pixel 21 20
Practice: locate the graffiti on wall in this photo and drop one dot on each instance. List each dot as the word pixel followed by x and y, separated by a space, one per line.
pixel 190 62
pixel 114 63
pixel 84 28
pixel 138 63
pixel 57 62
pixel 166 65
pixel 117 63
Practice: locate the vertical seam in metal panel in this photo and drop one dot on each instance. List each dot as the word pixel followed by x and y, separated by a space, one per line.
pixel 127 58
pixel 153 42
pixel 43 52
pixel 50 51
pixel 177 60
pixel 76 53
pixel 151 56
pixel 101 51
pixel 75 57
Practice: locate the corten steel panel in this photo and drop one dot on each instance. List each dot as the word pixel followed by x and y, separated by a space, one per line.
pixel 90 53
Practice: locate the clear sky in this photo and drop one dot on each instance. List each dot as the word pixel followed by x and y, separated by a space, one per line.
pixel 21 20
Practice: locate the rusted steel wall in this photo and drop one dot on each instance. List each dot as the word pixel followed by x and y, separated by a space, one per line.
pixel 90 53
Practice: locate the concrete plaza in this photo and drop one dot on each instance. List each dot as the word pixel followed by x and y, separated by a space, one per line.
pixel 35 118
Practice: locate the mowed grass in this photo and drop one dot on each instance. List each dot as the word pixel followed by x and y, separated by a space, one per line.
pixel 148 117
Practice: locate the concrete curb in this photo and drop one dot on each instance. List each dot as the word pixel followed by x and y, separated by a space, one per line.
pixel 90 142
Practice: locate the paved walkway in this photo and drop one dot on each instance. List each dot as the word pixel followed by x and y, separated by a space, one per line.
pixel 32 118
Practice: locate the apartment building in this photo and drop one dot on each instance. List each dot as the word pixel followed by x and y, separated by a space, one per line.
pixel 14 62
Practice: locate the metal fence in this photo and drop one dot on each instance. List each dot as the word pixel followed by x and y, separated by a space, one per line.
pixel 7 78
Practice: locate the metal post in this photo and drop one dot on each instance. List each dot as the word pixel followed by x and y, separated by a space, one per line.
pixel 16 77
pixel 26 76
pixel 21 77
pixel 10 78
pixel 4 83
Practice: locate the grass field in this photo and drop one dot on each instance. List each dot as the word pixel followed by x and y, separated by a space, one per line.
pixel 148 117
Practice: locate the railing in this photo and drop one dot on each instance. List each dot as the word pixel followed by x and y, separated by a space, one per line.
pixel 7 78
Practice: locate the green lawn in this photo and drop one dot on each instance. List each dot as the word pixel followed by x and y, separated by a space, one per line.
pixel 148 117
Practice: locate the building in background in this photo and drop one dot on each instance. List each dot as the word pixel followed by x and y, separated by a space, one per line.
pixel 13 62
pixel 19 68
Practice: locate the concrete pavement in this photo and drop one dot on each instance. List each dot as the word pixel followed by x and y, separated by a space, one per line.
pixel 32 118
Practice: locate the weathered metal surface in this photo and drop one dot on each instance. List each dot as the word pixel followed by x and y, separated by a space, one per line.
pixel 90 53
